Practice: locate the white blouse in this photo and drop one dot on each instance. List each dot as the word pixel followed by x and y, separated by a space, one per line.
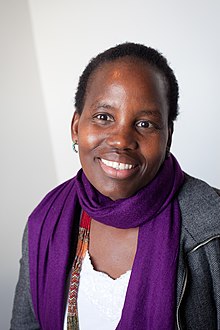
pixel 100 298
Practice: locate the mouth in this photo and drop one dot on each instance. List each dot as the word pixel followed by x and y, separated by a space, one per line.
pixel 116 165
pixel 117 170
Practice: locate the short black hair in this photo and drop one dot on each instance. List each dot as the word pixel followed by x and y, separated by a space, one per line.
pixel 147 54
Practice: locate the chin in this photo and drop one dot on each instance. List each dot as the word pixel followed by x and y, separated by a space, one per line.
pixel 118 194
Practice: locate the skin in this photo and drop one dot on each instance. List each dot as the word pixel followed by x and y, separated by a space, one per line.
pixel 125 121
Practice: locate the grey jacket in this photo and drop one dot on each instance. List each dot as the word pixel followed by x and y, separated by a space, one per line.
pixel 198 277
pixel 198 281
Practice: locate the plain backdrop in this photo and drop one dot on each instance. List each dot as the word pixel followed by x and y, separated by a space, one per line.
pixel 45 45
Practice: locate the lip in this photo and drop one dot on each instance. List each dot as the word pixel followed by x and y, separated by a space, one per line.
pixel 123 171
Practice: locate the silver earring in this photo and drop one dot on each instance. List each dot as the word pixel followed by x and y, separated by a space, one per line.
pixel 75 146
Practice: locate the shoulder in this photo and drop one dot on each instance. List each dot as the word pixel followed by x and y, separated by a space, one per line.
pixel 198 265
pixel 200 212
pixel 50 207
pixel 54 195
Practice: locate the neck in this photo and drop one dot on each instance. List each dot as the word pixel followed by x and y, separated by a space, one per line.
pixel 112 250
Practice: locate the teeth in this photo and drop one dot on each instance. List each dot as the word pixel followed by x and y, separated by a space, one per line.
pixel 116 165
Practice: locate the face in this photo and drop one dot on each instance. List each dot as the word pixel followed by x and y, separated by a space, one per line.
pixel 123 130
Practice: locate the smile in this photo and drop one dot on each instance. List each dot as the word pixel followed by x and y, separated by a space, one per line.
pixel 116 165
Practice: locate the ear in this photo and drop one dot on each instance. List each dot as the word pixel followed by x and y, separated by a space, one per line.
pixel 170 135
pixel 74 126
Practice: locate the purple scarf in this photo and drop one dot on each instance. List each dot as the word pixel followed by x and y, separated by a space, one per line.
pixel 151 295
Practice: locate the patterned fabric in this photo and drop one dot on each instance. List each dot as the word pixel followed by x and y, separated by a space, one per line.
pixel 82 247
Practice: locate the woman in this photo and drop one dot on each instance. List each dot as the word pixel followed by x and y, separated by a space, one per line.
pixel 130 211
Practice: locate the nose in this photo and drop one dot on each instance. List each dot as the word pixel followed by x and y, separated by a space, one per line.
pixel 123 138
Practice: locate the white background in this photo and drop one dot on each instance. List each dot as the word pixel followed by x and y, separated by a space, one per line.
pixel 45 45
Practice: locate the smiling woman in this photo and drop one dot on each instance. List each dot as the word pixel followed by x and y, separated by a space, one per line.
pixel 124 123
pixel 131 221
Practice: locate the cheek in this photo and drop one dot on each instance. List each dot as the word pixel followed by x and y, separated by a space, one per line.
pixel 87 141
pixel 158 143
pixel 88 138
pixel 154 150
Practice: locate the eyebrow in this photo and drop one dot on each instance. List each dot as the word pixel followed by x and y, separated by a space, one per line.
pixel 155 113
pixel 102 105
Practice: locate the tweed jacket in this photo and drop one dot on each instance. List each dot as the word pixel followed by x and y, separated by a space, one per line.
pixel 198 275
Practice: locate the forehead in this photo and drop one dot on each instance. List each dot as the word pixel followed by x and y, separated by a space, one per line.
pixel 136 77
pixel 121 66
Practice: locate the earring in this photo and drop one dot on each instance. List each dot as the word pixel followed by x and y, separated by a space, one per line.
pixel 75 146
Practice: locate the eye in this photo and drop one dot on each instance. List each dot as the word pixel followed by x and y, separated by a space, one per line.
pixel 144 124
pixel 103 117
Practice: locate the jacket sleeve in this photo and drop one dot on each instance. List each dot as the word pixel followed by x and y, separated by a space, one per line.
pixel 23 317
pixel 201 303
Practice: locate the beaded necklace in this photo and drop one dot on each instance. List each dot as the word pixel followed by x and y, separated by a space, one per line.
pixel 82 247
